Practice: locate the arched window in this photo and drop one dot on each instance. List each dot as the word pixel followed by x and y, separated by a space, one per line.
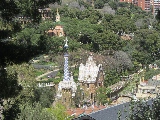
pixel 91 95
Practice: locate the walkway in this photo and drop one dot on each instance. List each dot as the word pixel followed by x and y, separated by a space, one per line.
pixel 37 78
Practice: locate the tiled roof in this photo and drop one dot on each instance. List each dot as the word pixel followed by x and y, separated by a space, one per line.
pixel 111 113
pixel 84 117
pixel 79 111
pixel 154 82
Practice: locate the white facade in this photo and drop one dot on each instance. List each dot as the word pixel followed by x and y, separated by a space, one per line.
pixel 67 85
pixel 88 73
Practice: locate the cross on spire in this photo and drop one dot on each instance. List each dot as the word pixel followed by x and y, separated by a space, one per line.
pixel 57 16
pixel 66 45
pixel 66 71
pixel 57 12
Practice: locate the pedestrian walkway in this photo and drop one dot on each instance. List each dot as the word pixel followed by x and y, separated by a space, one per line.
pixel 37 78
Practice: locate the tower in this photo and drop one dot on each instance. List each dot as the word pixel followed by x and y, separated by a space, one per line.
pixel 67 87
pixel 58 30
pixel 90 78
pixel 66 71
pixel 57 16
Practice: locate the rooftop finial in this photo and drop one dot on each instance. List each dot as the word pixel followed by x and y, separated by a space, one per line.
pixel 57 12
pixel 66 45
pixel 57 16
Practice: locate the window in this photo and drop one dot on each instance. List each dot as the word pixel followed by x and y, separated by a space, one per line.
pixel 91 95
pixel 87 85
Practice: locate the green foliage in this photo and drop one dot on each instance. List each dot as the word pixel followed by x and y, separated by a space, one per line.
pixel 87 29
pixel 99 4
pixel 124 12
pixel 9 84
pixel 57 80
pixel 59 112
pixel 25 78
pixel 27 37
pixel 113 5
pixel 78 97
pixel 122 23
pixel 157 62
pixel 158 16
pixel 38 73
pixel 75 74
pixel 54 44
pixel 147 46
pixel 44 96
pixel 86 5
pixel 10 109
pixel 150 73
pixel 102 95
pixel 108 17
pixel 106 41
pixel 111 77
pixel 34 112
pixel 155 108
pixel 140 110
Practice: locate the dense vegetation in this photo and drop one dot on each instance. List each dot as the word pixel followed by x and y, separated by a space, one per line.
pixel 87 29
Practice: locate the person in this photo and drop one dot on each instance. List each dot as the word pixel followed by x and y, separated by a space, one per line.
pixel 92 106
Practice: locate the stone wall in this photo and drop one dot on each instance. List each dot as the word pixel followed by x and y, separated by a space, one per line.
pixel 66 98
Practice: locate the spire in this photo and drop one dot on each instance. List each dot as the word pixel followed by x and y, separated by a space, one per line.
pixel 66 71
pixel 57 16
pixel 66 45
pixel 57 12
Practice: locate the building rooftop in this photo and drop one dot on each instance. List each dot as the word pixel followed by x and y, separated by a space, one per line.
pixel 112 113
pixel 78 111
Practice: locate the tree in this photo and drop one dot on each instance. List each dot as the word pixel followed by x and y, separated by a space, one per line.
pixel 44 96
pixel 21 78
pixel 123 61
pixel 157 62
pixel 123 24
pixel 59 112
pixel 139 111
pixel 98 4
pixel 78 97
pixel 124 12
pixel 34 112
pixel 102 95
pixel 142 110
pixel 146 42
pixel 106 41
pixel 150 73
pixel 158 16
pixel 111 77
pixel 108 10
pixel 113 5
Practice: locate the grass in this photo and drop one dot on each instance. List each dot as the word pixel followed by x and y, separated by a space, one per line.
pixel 56 81
pixel 46 63
pixel 130 86
pixel 67 1
pixel 39 72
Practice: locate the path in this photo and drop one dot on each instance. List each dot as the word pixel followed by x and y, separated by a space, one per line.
pixel 37 78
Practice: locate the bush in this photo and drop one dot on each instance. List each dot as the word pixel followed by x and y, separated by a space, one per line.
pixel 149 74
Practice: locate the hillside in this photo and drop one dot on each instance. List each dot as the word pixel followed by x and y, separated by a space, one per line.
pixel 120 36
